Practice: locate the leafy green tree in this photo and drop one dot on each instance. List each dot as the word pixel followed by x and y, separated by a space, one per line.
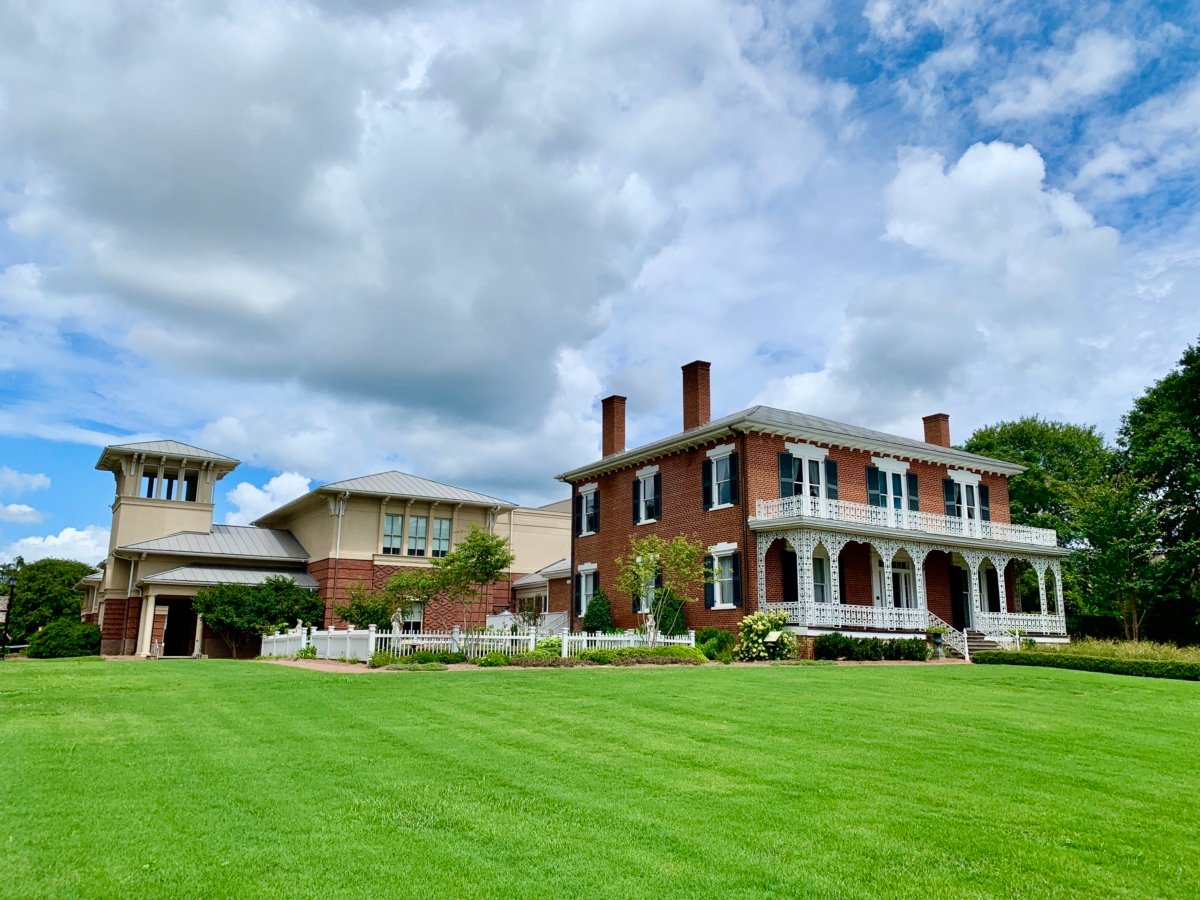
pixel 670 572
pixel 1160 439
pixel 367 606
pixel 468 571
pixel 45 591
pixel 238 611
pixel 1061 459
pixel 1118 561
pixel 598 615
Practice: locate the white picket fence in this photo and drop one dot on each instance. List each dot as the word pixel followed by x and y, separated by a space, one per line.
pixel 360 643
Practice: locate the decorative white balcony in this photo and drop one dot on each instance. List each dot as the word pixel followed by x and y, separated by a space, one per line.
pixel 850 513
pixel 885 618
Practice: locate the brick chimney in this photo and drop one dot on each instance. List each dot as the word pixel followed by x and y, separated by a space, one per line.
pixel 937 429
pixel 612 425
pixel 697 403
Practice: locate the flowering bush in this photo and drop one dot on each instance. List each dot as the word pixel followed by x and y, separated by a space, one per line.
pixel 752 644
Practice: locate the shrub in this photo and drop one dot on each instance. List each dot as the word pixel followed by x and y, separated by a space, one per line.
pixel 599 614
pixel 550 644
pixel 1146 668
pixel 65 637
pixel 915 649
pixel 840 646
pixel 1122 650
pixel 601 656
pixel 419 667
pixel 440 656
pixel 833 646
pixel 381 658
pixel 714 643
pixel 491 660
pixel 307 652
pixel 538 660
pixel 658 656
pixel 753 641
pixel 868 649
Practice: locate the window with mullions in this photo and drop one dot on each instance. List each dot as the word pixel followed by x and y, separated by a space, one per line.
pixel 417 528
pixel 393 534
pixel 441 537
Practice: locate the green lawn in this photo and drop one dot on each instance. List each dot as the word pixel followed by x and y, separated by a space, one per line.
pixel 211 778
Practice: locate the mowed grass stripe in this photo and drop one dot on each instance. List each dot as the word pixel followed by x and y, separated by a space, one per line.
pixel 241 778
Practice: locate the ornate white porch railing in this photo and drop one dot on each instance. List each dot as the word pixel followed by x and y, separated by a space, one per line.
pixel 850 615
pixel 908 520
pixel 1037 623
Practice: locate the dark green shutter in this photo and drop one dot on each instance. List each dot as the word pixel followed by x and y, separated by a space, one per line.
pixel 948 497
pixel 734 490
pixel 596 511
pixel 706 483
pixel 831 482
pixel 658 495
pixel 985 508
pixel 578 594
pixel 787 475
pixel 914 495
pixel 578 523
pixel 710 593
pixel 736 563
pixel 637 500
pixel 874 497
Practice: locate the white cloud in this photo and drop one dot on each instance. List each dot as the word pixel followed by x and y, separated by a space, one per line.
pixel 12 481
pixel 1062 79
pixel 89 545
pixel 900 20
pixel 252 501
pixel 19 512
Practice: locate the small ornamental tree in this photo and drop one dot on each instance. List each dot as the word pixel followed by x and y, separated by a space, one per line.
pixel 413 588
pixel 365 606
pixel 527 611
pixel 237 611
pixel 470 569
pixel 598 616
pixel 665 575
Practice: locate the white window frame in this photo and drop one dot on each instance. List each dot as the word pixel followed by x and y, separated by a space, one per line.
pixel 722 554
pixel 807 455
pixel 434 549
pixel 588 493
pixel 716 455
pixel 399 538
pixel 587 583
pixel 645 479
pixel 821 566
pixel 423 537
pixel 971 515
pixel 905 572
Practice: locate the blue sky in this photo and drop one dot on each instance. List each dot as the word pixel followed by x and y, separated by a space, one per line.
pixel 332 238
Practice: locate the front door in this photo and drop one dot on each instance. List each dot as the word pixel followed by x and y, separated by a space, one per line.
pixel 960 598
pixel 179 637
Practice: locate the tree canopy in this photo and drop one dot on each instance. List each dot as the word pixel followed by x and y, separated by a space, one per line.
pixel 670 572
pixel 44 592
pixel 237 611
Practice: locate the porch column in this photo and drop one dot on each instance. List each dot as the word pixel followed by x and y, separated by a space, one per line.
pixel 1040 568
pixel 887 551
pixel 833 545
pixel 1060 605
pixel 803 545
pixel 760 575
pixel 198 647
pixel 146 625
pixel 973 560
pixel 918 559
pixel 1001 564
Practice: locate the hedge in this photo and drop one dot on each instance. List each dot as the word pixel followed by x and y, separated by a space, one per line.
pixel 1146 668
pixel 841 646
pixel 63 638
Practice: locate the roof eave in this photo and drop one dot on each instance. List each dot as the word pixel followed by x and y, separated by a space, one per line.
pixel 133 552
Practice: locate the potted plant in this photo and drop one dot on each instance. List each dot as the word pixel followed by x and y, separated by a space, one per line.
pixel 937 634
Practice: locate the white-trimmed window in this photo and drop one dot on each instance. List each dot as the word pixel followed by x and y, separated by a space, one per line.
pixel 807 471
pixel 821 593
pixel 587 581
pixel 587 510
pixel 891 486
pixel 417 528
pixel 441 537
pixel 413 620
pixel 720 477
pixel 647 495
pixel 904 586
pixel 393 534
pixel 966 497
pixel 725 589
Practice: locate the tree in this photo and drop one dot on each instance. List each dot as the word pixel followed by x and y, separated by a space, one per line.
pixel 665 572
pixel 366 606
pixel 411 588
pixel 1160 441
pixel 45 591
pixel 1118 561
pixel 237 611
pixel 527 611
pixel 1060 460
pixel 467 572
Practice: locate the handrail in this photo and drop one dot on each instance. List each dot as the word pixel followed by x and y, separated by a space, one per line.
pixel 955 638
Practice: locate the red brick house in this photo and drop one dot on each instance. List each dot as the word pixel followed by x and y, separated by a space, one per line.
pixel 841 527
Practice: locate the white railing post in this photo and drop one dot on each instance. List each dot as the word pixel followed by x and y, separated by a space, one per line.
pixel 566 643
pixel 533 633
pixel 455 645
pixel 691 637
pixel 370 640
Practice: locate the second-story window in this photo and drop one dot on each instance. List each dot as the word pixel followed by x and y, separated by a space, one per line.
pixel 647 496
pixel 441 537
pixel 393 534
pixel 807 471
pixel 965 498
pixel 417 527
pixel 891 489
pixel 587 510
pixel 720 478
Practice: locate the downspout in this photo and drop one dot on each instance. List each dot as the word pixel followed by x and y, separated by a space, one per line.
pixel 129 596
pixel 337 507
pixel 744 496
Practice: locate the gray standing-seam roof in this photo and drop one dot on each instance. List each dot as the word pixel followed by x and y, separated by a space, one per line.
pixel 401 484
pixel 202 574
pixel 804 426
pixel 244 541
pixel 171 448
pixel 554 570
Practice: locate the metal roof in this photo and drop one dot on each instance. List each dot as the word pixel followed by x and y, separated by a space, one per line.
pixel 801 426
pixel 171 448
pixel 554 570
pixel 95 576
pixel 202 574
pixel 243 541
pixel 401 484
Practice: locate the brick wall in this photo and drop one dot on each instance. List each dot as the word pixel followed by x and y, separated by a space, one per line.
pixel 560 594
